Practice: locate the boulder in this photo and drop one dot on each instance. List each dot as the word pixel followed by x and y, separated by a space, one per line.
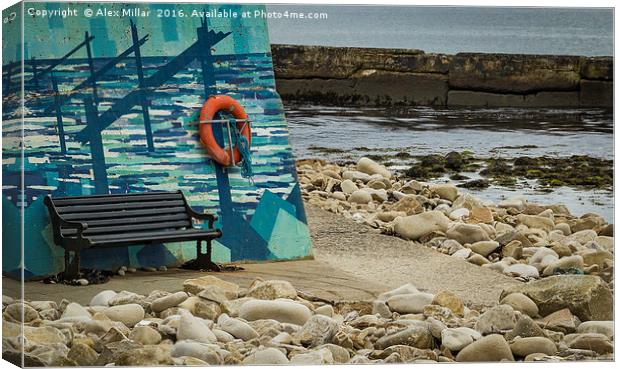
pixel 282 310
pixel 360 197
pixel 102 298
pixel 605 327
pixel 490 348
pixel 446 191
pixel 195 285
pixel 484 248
pixel 266 356
pixel 348 186
pixel 413 303
pixel 586 296
pixel 273 289
pixel 237 328
pixel 369 166
pixel 415 226
pixel 525 346
pixel 449 300
pixel 496 319
pixel 522 303
pixel 168 301
pixel 193 328
pixel 318 330
pixel 417 336
pixel 128 314
pixel 467 233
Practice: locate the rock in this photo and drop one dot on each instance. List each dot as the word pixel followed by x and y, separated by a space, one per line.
pixel 446 191
pixel 490 348
pixel 44 335
pixel 462 253
pixel 467 233
pixel 586 296
pixel 513 249
pixel 381 308
pixel 360 197
pixel 538 222
pixel 196 285
pixel 102 298
pixel 522 303
pixel 236 327
pixel 605 327
pixel 205 352
pixel 478 259
pixel 495 320
pixel 388 216
pixel 605 242
pixel 514 203
pixel 565 263
pixel 82 354
pixel 340 354
pixel 222 336
pixel 128 314
pixel 125 297
pixel 415 226
pixel 449 300
pixel 145 335
pixel 169 301
pixel 562 250
pixel 409 205
pixel 273 289
pixel 484 248
pixel 410 303
pixel 481 215
pixel 596 257
pixel 368 166
pixel 525 346
pixel 525 327
pixel 583 237
pixel 266 356
pixel 455 339
pixel 217 294
pixel 355 175
pixel 18 312
pixel 75 312
pixel 318 330
pixel 562 320
pixel 192 328
pixel 348 186
pixel 522 270
pixel 416 336
pixel 326 310
pixel 316 357
pixel 596 342
pixel 282 310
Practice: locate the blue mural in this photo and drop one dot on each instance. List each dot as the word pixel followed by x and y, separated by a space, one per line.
pixel 110 106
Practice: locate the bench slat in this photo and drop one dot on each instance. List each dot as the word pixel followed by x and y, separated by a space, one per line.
pixel 136 220
pixel 107 195
pixel 129 228
pixel 137 238
pixel 115 199
pixel 119 207
pixel 124 213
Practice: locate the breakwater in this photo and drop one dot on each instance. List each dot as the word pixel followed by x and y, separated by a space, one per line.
pixel 383 77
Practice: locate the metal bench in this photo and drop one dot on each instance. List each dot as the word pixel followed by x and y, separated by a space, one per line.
pixel 100 221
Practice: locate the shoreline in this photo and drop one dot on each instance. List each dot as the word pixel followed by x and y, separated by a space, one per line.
pixel 408 77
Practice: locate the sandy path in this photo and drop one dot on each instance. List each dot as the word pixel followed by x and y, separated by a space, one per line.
pixel 392 261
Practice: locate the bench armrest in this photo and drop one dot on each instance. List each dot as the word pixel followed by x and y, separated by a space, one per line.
pixel 196 215
pixel 62 222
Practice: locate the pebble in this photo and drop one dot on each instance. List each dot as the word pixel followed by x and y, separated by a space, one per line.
pixel 168 301
pixel 236 327
pixel 410 303
pixel 530 345
pixel 266 356
pixel 128 314
pixel 489 348
pixel 102 298
pixel 522 303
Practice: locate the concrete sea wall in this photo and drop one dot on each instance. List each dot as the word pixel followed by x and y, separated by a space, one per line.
pixel 376 77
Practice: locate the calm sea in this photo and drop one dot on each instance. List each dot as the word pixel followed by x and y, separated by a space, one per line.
pixel 450 29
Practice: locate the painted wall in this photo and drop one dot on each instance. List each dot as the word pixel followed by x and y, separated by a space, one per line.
pixel 115 137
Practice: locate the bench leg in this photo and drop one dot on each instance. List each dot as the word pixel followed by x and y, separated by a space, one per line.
pixel 72 265
pixel 203 260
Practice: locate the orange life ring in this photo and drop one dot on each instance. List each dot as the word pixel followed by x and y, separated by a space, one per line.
pixel 213 105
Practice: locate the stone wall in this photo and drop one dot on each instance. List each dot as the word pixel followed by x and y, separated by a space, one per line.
pixel 365 76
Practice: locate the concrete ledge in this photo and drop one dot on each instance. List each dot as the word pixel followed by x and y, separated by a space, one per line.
pixel 376 77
